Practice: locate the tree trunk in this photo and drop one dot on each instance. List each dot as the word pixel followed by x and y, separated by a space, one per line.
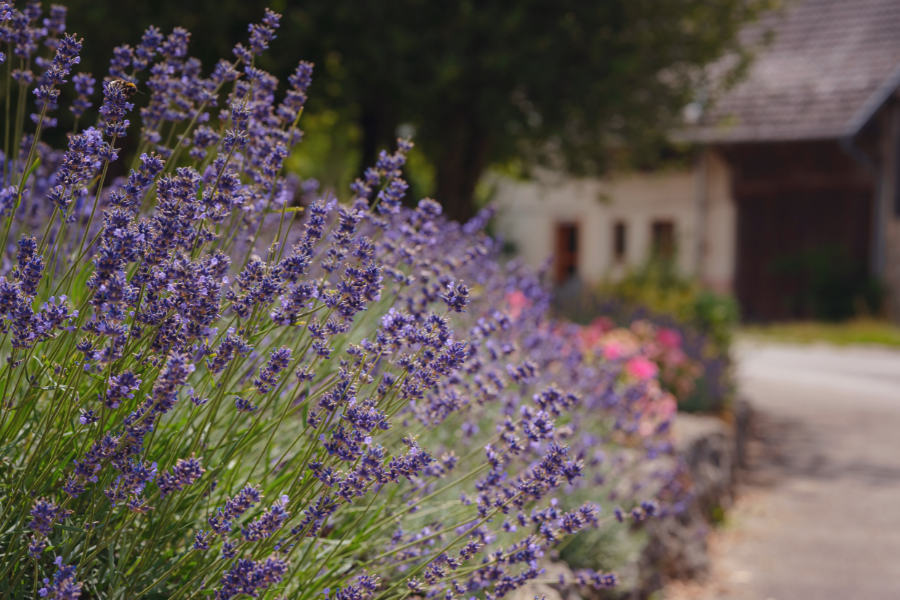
pixel 377 127
pixel 370 139
pixel 460 165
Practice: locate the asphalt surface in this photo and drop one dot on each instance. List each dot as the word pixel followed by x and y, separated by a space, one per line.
pixel 818 517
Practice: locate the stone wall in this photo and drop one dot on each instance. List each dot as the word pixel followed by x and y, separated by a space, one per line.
pixel 712 450
pixel 677 547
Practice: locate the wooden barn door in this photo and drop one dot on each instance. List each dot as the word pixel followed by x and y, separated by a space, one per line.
pixel 789 240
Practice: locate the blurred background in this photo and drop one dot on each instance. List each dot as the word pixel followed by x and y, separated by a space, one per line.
pixel 723 170
pixel 745 146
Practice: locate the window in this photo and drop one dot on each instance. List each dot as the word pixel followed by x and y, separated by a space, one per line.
pixel 620 241
pixel 566 251
pixel 663 239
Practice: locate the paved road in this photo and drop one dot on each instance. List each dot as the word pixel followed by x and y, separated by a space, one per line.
pixel 819 518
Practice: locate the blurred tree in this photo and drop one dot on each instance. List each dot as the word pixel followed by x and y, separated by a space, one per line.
pixel 576 85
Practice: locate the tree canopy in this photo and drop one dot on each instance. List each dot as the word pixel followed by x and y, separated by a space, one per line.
pixel 575 85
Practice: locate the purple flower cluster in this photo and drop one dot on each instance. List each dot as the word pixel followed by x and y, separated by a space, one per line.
pixel 67 51
pixel 391 363
pixel 270 522
pixel 170 381
pixel 44 514
pixel 120 387
pixel 600 581
pixel 132 193
pixel 184 473
pixel 363 587
pixel 268 375
pixel 84 87
pixel 260 36
pixel 79 166
pixel 222 522
pixel 113 110
pixel 232 345
pixel 248 576
pixel 64 585
pixel 67 56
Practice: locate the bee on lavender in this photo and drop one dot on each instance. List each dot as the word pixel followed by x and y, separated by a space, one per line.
pixel 128 89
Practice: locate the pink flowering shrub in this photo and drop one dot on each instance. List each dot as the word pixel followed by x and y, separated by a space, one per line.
pixel 649 352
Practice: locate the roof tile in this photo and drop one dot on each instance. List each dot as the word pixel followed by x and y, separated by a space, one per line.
pixel 831 64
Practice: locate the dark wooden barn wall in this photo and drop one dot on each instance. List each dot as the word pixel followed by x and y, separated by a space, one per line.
pixel 793 198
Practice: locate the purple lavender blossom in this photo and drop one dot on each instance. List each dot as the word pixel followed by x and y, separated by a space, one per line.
pixel 268 375
pixel 66 58
pixel 138 182
pixel 30 266
pixel 232 345
pixel 43 514
pixel 115 107
pixel 456 297
pixel 175 45
pixel 121 387
pixel 246 576
pixel 88 417
pixel 84 87
pixel 243 405
pixel 157 298
pixel 144 52
pixel 184 473
pixel 36 546
pixel 200 542
pixel 269 523
pixel 64 585
pixel 221 522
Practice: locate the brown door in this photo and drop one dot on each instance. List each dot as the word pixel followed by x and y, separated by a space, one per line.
pixel 663 239
pixel 566 251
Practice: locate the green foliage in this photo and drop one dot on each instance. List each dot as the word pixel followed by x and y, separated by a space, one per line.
pixel 658 286
pixel 856 331
pixel 579 86
pixel 717 314
pixel 828 284
pixel 328 152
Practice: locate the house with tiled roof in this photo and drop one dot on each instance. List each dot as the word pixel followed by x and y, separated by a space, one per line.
pixel 795 187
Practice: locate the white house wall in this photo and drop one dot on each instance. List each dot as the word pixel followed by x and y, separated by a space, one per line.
pixel 529 212
pixel 720 255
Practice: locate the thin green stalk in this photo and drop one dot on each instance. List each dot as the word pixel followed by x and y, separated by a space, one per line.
pixel 8 89
pixel 87 228
pixel 20 122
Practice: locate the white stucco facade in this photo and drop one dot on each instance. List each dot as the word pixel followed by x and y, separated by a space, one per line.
pixel 697 203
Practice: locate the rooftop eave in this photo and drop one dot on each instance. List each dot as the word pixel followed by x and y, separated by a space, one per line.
pixel 730 131
pixel 874 102
pixel 755 135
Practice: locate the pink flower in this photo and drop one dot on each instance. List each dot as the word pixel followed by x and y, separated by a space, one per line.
pixel 669 338
pixel 612 351
pixel 641 368
pixel 676 357
pixel 590 336
pixel 517 301
pixel 668 406
pixel 604 324
pixel 592 333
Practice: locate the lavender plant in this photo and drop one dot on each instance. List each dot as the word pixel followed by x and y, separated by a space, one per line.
pixel 209 389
